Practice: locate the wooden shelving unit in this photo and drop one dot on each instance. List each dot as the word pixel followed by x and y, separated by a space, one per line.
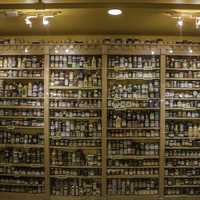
pixel 180 147
pixel 22 121
pixel 130 77
pixel 89 151
pixel 77 76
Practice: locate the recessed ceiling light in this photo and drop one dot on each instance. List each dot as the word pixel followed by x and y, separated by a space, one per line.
pixel 114 12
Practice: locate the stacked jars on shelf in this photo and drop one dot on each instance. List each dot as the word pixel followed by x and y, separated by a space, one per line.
pixel 21 124
pixel 182 125
pixel 133 125
pixel 75 125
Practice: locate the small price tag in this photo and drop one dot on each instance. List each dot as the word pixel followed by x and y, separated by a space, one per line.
pixel 188 108
pixel 57 137
pixel 10 127
pixel 117 99
pixel 121 109
pixel 147 78
pixel 148 68
pixel 60 176
pixel 139 158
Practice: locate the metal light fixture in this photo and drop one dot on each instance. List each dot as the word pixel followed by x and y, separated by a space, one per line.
pixel 197 22
pixel 28 20
pixel 45 20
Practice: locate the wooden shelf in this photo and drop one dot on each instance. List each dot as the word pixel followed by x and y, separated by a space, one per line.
pixel 74 148
pixel 72 69
pixel 182 118
pixel 22 184
pixel 74 138
pixel 65 108
pixel 133 167
pixel 70 98
pixel 133 79
pixel 132 157
pixel 182 186
pixel 183 157
pixel 76 118
pixel 133 99
pixel 75 167
pixel 22 165
pixel 22 175
pixel 133 176
pixel 14 68
pixel 31 98
pixel 173 176
pixel 73 88
pixel 22 78
pixel 183 99
pixel 186 109
pixel 24 196
pixel 182 69
pixel 181 138
pixel 21 127
pixel 134 138
pixel 153 128
pixel 183 79
pixel 182 147
pixel 20 117
pixel 135 197
pixel 85 197
pixel 135 109
pixel 182 167
pixel 132 69
pixel 184 89
pixel 21 146
pixel 22 107
pixel 182 197
pixel 78 177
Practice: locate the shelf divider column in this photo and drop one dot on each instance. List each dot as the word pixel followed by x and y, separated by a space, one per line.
pixel 104 122
pixel 162 124
pixel 46 123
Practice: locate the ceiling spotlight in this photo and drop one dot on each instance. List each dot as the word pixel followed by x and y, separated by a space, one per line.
pixel 171 51
pixel 152 52
pixel 28 20
pixel 115 12
pixel 190 50
pixel 180 22
pixel 197 22
pixel 45 20
pixel 66 50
